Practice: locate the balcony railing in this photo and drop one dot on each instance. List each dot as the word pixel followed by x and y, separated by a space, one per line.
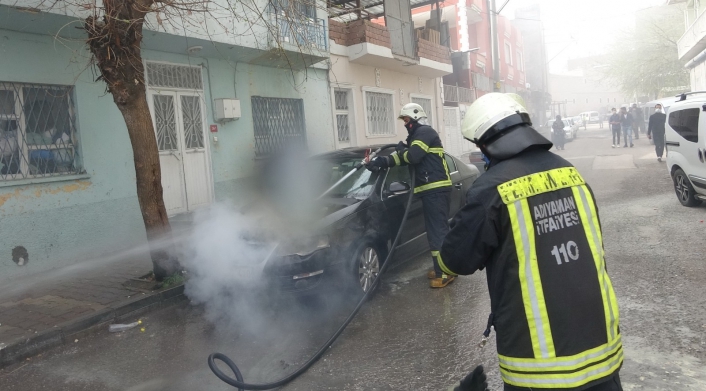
pixel 694 39
pixel 456 94
pixel 306 33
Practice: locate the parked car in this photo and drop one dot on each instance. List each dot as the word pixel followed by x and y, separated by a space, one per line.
pixel 476 158
pixel 360 220
pixel 685 139
pixel 578 121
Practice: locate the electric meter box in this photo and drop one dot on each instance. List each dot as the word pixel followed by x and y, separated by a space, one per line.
pixel 227 109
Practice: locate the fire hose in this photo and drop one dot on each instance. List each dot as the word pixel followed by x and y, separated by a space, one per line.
pixel 239 382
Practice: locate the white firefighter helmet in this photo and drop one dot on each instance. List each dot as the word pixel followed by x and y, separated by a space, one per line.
pixel 413 111
pixel 492 113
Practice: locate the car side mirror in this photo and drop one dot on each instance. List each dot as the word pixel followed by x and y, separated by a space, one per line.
pixel 398 188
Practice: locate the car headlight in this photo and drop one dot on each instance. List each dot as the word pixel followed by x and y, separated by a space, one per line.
pixel 309 245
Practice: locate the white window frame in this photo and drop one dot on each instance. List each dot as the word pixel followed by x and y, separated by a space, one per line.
pixel 434 117
pixel 365 110
pixel 520 60
pixel 508 53
pixel 351 112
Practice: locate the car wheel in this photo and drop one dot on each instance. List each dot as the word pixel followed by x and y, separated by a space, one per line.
pixel 685 192
pixel 366 262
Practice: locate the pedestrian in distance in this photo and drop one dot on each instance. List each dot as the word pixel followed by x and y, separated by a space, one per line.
pixel 558 135
pixel 532 222
pixel 626 122
pixel 638 120
pixel 424 152
pixel 600 120
pixel 655 130
pixel 614 123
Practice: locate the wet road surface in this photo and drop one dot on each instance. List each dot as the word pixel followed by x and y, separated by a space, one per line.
pixel 409 337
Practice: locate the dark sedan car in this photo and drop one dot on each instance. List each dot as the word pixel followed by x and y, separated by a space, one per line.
pixel 360 220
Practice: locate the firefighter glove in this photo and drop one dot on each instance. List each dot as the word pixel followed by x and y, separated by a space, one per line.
pixel 401 147
pixel 378 163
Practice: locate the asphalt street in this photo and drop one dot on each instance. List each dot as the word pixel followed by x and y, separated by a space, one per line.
pixel 409 337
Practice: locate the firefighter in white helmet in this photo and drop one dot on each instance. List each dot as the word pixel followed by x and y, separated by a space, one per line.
pixel 423 150
pixel 532 222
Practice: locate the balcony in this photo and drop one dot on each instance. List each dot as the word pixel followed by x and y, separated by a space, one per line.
pixel 693 41
pixel 455 94
pixel 298 42
pixel 367 43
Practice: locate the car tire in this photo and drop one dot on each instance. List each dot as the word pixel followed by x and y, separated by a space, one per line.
pixel 684 190
pixel 366 260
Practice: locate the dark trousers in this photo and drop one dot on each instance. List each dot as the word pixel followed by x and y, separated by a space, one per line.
pixel 436 221
pixel 611 385
pixel 658 137
pixel 616 136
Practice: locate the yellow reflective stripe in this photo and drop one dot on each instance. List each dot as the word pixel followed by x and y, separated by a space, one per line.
pixel 530 281
pixel 564 380
pixel 396 158
pixel 541 182
pixel 446 166
pixel 436 150
pixel 566 363
pixel 432 185
pixel 405 157
pixel 437 255
pixel 420 144
pixel 589 217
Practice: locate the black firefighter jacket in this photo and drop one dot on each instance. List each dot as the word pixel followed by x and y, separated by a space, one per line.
pixel 426 154
pixel 532 223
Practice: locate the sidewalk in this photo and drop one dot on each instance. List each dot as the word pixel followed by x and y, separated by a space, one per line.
pixel 54 309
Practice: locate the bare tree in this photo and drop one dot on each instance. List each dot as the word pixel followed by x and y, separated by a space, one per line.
pixel 114 36
pixel 644 62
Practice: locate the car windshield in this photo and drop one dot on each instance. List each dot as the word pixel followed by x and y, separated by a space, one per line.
pixel 359 185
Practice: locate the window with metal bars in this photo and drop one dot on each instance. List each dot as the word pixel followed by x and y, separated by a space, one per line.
pixel 174 76
pixel 278 123
pixel 380 115
pixel 426 105
pixel 37 131
pixel 343 121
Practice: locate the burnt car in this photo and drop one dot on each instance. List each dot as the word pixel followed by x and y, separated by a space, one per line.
pixel 359 222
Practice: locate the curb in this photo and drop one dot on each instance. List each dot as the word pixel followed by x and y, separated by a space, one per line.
pixel 24 347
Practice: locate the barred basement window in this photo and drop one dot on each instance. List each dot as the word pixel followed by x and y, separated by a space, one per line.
pixel 278 123
pixel 380 114
pixel 37 131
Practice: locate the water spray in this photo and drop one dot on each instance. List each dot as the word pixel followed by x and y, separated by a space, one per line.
pixel 239 382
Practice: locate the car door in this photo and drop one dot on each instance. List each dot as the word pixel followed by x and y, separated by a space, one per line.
pixel 682 141
pixel 457 195
pixel 395 205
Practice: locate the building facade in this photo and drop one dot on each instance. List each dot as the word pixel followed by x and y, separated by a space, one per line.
pixel 67 177
pixel 528 22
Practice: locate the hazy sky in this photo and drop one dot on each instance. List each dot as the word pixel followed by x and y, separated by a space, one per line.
pixel 574 28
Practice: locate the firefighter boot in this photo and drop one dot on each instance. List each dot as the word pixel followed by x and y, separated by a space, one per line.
pixel 440 282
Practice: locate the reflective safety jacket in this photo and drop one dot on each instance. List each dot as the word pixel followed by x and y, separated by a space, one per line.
pixel 532 222
pixel 426 154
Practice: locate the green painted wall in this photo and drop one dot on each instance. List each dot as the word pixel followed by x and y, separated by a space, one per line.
pixel 65 222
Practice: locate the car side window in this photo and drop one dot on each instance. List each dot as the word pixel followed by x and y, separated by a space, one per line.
pixel 450 163
pixel 686 123
pixel 397 174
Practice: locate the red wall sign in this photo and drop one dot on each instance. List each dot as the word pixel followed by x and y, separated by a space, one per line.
pixel 214 128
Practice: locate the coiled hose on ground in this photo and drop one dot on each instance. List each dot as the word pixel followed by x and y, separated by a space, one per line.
pixel 239 382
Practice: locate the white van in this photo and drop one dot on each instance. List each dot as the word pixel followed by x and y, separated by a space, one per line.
pixel 591 117
pixel 685 140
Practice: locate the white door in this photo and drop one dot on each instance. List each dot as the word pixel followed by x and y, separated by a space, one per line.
pixel 179 126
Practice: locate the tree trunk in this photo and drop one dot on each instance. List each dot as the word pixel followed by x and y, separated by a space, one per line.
pixel 115 43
